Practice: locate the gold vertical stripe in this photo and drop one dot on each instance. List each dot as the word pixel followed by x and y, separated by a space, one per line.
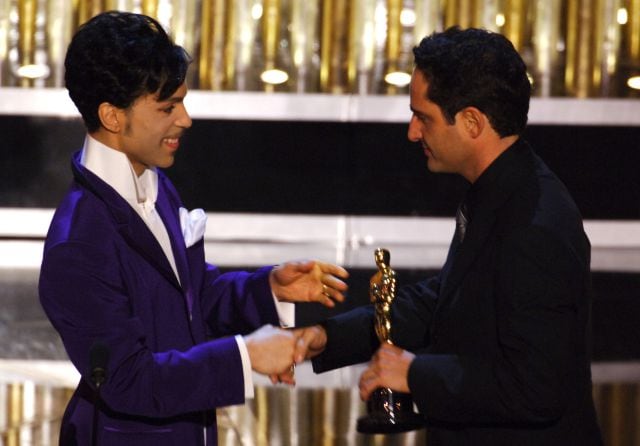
pixel 229 35
pixel 88 9
pixel 325 44
pixel 334 50
pixel 633 32
pixel 394 33
pixel 205 61
pixel 27 30
pixel 516 20
pixel 271 25
pixel 150 8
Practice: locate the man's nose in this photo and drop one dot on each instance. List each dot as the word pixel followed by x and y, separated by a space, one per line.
pixel 413 132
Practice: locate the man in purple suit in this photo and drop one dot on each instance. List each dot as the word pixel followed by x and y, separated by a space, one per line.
pixel 160 337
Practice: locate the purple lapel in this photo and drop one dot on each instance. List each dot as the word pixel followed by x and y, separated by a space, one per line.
pixel 129 224
pixel 171 219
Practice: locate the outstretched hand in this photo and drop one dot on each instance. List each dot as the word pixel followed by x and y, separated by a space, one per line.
pixel 309 281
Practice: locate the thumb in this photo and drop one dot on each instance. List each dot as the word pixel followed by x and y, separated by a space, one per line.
pixel 304 266
pixel 311 337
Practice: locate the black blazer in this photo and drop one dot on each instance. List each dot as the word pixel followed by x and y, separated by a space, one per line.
pixel 502 333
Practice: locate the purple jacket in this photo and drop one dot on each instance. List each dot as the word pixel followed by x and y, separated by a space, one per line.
pixel 171 355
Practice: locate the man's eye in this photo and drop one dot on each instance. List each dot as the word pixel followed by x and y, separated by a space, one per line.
pixel 169 109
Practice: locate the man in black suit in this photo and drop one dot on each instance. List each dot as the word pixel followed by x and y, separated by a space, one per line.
pixel 495 348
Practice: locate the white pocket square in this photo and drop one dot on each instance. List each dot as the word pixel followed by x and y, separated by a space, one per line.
pixel 193 224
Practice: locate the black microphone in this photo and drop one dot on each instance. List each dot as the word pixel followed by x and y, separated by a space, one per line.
pixel 98 359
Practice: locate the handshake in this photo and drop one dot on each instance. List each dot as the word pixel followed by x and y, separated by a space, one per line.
pixel 275 351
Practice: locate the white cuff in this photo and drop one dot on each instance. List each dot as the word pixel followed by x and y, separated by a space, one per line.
pixel 286 312
pixel 246 368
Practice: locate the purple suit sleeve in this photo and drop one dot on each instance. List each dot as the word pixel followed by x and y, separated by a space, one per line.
pixel 237 302
pixel 83 293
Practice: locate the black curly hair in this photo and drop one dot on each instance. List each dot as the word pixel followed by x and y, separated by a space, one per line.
pixel 479 68
pixel 116 57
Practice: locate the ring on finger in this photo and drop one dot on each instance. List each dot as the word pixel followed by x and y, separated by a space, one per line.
pixel 325 290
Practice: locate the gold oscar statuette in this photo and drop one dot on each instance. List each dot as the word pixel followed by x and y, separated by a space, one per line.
pixel 388 411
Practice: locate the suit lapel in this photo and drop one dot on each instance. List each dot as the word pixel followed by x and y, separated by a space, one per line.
pixel 129 224
pixel 483 223
pixel 467 252
pixel 171 219
pixel 142 240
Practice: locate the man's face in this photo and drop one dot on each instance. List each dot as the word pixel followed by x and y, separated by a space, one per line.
pixel 442 142
pixel 152 130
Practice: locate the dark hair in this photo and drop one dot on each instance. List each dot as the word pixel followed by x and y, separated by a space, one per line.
pixel 479 68
pixel 116 57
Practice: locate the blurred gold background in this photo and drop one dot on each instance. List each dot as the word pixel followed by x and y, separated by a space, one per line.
pixel 31 416
pixel 574 48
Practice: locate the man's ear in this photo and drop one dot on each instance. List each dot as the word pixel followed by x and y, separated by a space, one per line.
pixel 110 117
pixel 474 121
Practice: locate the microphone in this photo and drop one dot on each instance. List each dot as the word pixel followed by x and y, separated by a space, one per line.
pixel 98 359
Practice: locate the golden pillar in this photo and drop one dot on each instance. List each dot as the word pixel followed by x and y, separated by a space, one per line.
pixel 243 63
pixel 366 40
pixel 515 26
pixel 631 51
pixel 27 10
pixel 150 8
pixel 334 54
pixel 633 30
pixel 459 13
pixel 211 65
pixel 592 45
pixel 394 43
pixel 89 8
pixel 5 26
pixel 59 28
pixel 270 37
pixel 428 18
pixel 546 45
pixel 304 40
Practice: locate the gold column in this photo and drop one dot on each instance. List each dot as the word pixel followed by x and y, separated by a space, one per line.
pixel 363 45
pixel 150 8
pixel 27 10
pixel 15 403
pixel 5 26
pixel 60 27
pixel 486 14
pixel 243 62
pixel 583 57
pixel 546 47
pixel 89 8
pixel 184 25
pixel 633 34
pixel 394 36
pixel 610 42
pixel 270 34
pixel 515 28
pixel 334 46
pixel 304 31
pixel 211 64
pixel 428 19
pixel 631 51
pixel 460 13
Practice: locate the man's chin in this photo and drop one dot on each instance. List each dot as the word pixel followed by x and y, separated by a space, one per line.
pixel 166 163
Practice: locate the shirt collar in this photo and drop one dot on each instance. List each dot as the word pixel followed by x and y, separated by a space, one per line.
pixel 114 168
pixel 492 176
